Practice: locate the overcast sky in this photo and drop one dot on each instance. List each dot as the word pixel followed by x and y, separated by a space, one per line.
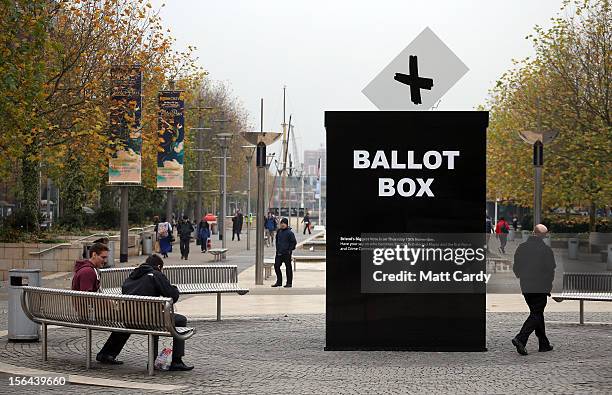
pixel 325 52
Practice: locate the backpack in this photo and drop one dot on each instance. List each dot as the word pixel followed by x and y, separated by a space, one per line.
pixel 162 230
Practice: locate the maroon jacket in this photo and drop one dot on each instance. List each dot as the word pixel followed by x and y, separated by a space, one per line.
pixel 85 277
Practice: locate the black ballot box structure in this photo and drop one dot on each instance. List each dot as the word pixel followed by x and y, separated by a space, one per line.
pixel 402 321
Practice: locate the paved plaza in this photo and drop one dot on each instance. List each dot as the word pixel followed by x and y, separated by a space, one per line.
pixel 284 354
pixel 272 341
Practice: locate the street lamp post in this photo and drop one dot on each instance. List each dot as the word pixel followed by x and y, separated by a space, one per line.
pixel 250 151
pixel 537 139
pixel 261 139
pixel 224 139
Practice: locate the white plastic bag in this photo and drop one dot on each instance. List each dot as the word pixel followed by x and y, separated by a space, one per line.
pixel 164 359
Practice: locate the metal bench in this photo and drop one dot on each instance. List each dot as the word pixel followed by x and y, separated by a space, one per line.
pixel 218 253
pixel 595 287
pixel 189 279
pixel 142 315
pixel 307 258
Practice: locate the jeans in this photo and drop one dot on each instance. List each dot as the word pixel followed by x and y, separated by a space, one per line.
pixel 185 247
pixel 235 233
pixel 307 227
pixel 286 259
pixel 117 340
pixel 503 239
pixel 535 321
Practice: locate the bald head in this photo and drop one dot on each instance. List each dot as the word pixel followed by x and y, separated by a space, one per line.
pixel 540 230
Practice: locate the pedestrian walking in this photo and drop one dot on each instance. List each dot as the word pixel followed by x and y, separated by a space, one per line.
pixel 501 230
pixel 270 229
pixel 515 222
pixel 164 236
pixel 174 226
pixel 306 222
pixel 488 230
pixel 185 231
pixel 285 244
pixel 148 279
pixel 203 234
pixel 534 265
pixel 237 221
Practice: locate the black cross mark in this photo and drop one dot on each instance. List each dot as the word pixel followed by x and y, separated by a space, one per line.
pixel 413 80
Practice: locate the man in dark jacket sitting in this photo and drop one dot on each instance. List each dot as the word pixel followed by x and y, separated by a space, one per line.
pixel 147 280
pixel 285 244
pixel 534 265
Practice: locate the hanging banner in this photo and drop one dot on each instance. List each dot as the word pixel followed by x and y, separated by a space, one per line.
pixel 171 136
pixel 125 124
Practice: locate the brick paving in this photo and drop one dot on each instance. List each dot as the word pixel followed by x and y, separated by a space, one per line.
pixel 284 354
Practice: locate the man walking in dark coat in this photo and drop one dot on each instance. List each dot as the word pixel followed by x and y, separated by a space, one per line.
pixel 237 224
pixel 148 280
pixel 285 244
pixel 534 265
pixel 185 231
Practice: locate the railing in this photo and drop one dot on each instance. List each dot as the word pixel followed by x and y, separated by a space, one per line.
pixel 97 235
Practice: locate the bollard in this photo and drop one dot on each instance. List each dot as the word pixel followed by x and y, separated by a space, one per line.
pixel 572 248
pixel 19 325
pixel 110 261
pixel 609 266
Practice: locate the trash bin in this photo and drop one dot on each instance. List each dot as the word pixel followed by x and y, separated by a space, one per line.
pixel 19 325
pixel 609 266
pixel 511 235
pixel 147 243
pixel 572 248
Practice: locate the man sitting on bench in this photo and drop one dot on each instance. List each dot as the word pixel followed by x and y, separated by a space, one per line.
pixel 147 280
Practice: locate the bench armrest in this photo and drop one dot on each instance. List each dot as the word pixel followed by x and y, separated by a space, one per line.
pixel 168 310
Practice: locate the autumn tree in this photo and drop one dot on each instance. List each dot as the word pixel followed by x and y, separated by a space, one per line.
pixel 60 122
pixel 566 87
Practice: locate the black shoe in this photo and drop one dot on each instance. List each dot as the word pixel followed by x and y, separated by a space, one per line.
pixel 546 348
pixel 276 285
pixel 288 286
pixel 520 347
pixel 179 367
pixel 108 360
